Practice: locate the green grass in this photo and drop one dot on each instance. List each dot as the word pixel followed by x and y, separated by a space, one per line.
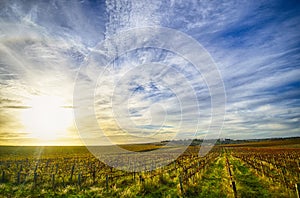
pixel 213 183
pixel 249 184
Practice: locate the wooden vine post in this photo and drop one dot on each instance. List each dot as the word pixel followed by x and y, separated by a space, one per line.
pixel 53 180
pixel 79 179
pixel 234 189
pixel 297 185
pixel 72 172
pixel 35 178
pixel 94 175
pixel 18 177
pixel 231 178
pixel 106 182
pixel 181 185
pixel 3 176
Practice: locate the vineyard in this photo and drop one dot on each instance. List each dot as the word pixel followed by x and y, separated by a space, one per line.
pixel 227 171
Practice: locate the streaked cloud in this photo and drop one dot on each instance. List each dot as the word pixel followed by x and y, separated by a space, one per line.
pixel 255 46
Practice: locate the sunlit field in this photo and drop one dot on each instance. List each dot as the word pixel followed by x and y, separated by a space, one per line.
pixel 255 169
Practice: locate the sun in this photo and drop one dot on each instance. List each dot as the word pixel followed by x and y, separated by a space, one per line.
pixel 47 118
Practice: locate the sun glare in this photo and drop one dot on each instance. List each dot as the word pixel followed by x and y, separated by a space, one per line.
pixel 46 118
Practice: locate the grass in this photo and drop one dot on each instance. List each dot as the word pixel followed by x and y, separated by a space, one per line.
pixel 213 183
pixel 250 185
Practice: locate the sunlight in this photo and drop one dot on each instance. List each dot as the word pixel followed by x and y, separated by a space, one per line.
pixel 47 118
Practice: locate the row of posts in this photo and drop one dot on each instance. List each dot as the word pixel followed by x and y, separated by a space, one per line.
pixel 141 179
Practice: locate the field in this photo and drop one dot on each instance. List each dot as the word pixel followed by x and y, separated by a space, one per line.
pixel 252 169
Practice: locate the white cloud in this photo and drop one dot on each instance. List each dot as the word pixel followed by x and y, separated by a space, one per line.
pixel 42 47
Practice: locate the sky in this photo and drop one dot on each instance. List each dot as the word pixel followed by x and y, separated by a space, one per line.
pixel 49 53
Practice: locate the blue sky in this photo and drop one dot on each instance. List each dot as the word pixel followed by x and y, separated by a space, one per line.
pixel 254 44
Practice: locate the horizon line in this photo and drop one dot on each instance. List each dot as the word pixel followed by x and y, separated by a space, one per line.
pixel 162 141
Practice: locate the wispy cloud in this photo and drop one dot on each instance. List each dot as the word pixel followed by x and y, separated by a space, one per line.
pixel 254 44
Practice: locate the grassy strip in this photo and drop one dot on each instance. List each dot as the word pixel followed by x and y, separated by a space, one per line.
pixel 251 185
pixel 213 183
